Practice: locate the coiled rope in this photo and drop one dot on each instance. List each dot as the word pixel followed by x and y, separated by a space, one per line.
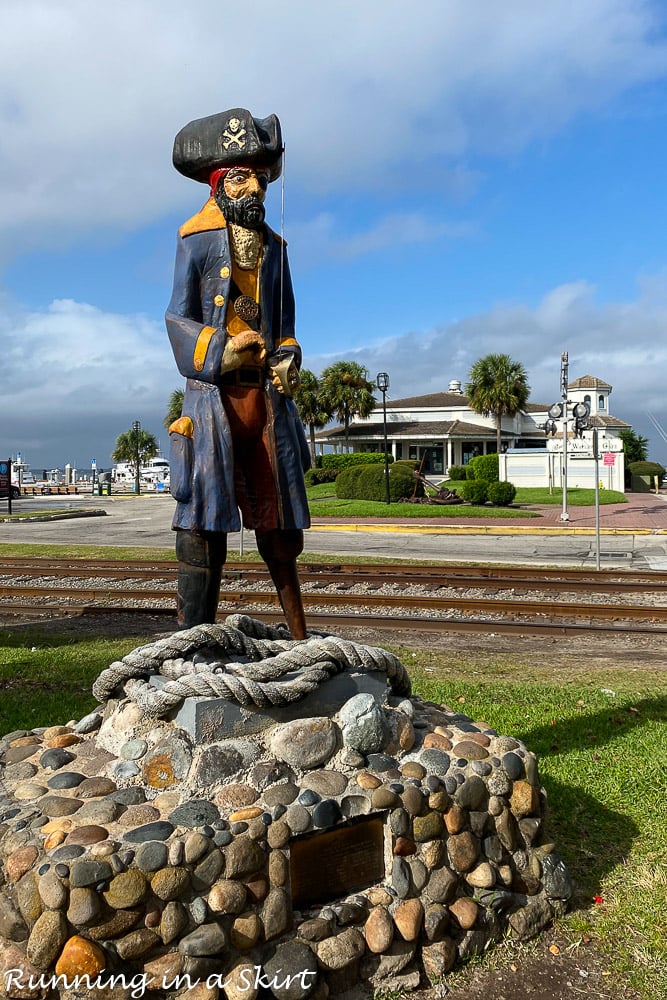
pixel 276 670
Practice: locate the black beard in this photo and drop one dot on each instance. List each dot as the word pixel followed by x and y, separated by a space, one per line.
pixel 248 212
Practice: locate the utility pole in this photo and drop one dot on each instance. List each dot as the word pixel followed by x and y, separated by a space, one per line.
pixel 558 411
pixel 565 516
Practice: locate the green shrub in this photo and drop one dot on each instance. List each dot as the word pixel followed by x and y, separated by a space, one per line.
pixel 346 483
pixel 407 463
pixel 367 482
pixel 485 467
pixel 475 491
pixel 339 462
pixel 470 472
pixel 316 476
pixel 647 469
pixel 501 494
pixel 458 472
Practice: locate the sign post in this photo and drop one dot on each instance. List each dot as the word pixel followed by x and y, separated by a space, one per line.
pixel 565 515
pixel 597 497
pixel 6 481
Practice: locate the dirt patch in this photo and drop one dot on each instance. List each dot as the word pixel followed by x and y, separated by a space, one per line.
pixel 548 969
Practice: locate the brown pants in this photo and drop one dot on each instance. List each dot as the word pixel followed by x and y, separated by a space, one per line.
pixel 201 555
pixel 254 480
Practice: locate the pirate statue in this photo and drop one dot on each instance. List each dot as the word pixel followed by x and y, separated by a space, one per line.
pixel 239 443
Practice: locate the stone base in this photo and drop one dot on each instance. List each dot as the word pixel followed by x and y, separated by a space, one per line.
pixel 170 848
pixel 208 719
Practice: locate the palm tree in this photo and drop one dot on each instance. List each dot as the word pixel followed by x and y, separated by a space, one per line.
pixel 635 446
pixel 497 386
pixel 308 399
pixel 133 443
pixel 174 407
pixel 347 392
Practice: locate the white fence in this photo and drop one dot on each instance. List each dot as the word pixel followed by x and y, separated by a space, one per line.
pixel 541 468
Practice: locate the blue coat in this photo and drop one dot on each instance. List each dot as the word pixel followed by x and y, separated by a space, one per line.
pixel 202 458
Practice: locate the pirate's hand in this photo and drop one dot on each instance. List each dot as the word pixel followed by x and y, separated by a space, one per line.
pixel 246 348
pixel 285 375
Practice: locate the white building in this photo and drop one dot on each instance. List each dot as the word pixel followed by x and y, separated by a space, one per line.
pixel 440 430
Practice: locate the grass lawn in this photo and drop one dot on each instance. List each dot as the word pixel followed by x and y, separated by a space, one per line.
pixel 599 736
pixel 130 553
pixel 46 679
pixel 576 497
pixel 601 741
pixel 323 503
pixel 414 511
pixel 125 552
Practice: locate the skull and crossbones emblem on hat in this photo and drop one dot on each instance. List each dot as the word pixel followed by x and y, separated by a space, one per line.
pixel 234 133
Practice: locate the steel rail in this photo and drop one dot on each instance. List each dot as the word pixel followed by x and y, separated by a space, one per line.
pixel 437 576
pixel 522 606
pixel 335 622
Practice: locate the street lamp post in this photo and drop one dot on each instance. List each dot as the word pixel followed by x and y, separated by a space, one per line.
pixel 136 427
pixel 382 382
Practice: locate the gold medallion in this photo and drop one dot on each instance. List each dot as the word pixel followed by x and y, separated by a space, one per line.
pixel 246 308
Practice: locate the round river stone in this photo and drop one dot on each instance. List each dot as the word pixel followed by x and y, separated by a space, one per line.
pixel 160 830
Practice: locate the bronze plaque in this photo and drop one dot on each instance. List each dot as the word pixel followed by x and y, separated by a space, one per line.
pixel 333 863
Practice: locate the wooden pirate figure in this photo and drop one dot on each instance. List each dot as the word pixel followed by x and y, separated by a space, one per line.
pixel 239 442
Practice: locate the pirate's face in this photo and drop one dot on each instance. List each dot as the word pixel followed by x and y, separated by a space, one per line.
pixel 240 195
pixel 243 182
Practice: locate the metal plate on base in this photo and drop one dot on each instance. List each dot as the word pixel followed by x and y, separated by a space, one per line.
pixel 333 863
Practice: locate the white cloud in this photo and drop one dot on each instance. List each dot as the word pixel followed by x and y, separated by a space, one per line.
pixel 94 93
pixel 76 377
pixel 621 342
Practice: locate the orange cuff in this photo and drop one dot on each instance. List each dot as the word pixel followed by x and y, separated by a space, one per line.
pixel 201 347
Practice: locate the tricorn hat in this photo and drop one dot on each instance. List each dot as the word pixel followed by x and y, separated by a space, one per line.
pixel 226 140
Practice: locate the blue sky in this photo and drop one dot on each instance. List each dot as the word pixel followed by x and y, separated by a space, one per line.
pixel 461 178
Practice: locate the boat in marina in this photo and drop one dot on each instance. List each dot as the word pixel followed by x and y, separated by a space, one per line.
pixel 154 474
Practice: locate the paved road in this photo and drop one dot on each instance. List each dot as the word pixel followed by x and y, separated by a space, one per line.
pixel 146 521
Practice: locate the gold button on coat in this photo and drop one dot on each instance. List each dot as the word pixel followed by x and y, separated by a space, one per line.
pixel 225 272
pixel 219 300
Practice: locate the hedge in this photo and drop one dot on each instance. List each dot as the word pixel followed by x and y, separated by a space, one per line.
pixel 316 476
pixel 339 462
pixel 485 467
pixel 367 482
pixel 646 469
pixel 457 472
pixel 475 491
pixel 501 494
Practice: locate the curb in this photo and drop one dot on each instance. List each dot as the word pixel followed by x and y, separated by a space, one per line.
pixel 53 517
pixel 423 529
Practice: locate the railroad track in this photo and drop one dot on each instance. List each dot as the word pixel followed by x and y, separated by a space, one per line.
pixel 445 575
pixel 331 604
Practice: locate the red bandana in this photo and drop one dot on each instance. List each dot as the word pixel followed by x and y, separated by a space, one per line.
pixel 214 177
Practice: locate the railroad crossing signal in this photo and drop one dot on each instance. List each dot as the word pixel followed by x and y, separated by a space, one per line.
pixel 581 413
pixel 555 413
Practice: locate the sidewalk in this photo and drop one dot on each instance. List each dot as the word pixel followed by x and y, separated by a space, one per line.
pixel 644 513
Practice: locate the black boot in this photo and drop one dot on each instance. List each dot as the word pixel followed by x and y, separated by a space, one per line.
pixel 279 550
pixel 201 557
